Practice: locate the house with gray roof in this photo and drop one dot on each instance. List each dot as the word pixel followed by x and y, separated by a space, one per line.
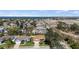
pixel 40 29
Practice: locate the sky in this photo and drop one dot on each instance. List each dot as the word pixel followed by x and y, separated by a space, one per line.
pixel 39 13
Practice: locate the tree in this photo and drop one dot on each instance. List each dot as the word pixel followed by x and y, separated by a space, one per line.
pixel 53 39
pixel 1 22
pixel 74 27
pixel 72 43
pixel 13 30
pixel 33 23
pixel 62 26
pixel 75 46
pixel 8 43
pixel 1 34
pixel 22 42
pixel 29 29
pixel 17 22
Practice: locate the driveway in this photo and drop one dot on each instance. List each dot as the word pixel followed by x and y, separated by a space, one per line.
pixel 36 44
pixel 16 46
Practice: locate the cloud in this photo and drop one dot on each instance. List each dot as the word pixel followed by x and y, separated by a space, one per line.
pixel 75 12
pixel 66 10
pixel 62 11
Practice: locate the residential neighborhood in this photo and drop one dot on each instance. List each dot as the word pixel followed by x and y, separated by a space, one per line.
pixel 39 33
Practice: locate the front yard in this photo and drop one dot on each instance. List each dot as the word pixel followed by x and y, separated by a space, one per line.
pixel 42 44
pixel 27 43
pixel 7 44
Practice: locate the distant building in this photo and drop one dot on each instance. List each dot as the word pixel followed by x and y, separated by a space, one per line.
pixel 13 24
pixel 1 29
pixel 5 24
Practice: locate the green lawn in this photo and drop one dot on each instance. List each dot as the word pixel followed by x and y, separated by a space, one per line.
pixel 42 44
pixel 29 43
pixel 7 44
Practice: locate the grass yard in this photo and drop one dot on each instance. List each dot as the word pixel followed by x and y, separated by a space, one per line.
pixel 42 44
pixel 29 43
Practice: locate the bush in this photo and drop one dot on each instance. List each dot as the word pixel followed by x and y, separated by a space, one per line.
pixel 75 46
pixel 1 47
pixel 22 42
pixel 1 34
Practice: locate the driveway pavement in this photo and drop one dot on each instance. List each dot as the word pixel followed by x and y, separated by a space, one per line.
pixel 36 44
pixel 16 46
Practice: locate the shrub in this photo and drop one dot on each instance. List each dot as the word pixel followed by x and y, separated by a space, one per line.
pixel 75 46
pixel 22 42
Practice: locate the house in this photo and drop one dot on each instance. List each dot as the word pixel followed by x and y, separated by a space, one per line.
pixel 29 25
pixel 40 29
pixel 13 38
pixel 23 31
pixel 13 24
pixel 1 29
pixel 5 24
pixel 20 38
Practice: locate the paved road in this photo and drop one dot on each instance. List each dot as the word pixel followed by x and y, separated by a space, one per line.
pixel 72 35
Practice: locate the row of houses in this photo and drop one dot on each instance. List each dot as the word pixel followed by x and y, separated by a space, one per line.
pixel 39 29
pixel 15 38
